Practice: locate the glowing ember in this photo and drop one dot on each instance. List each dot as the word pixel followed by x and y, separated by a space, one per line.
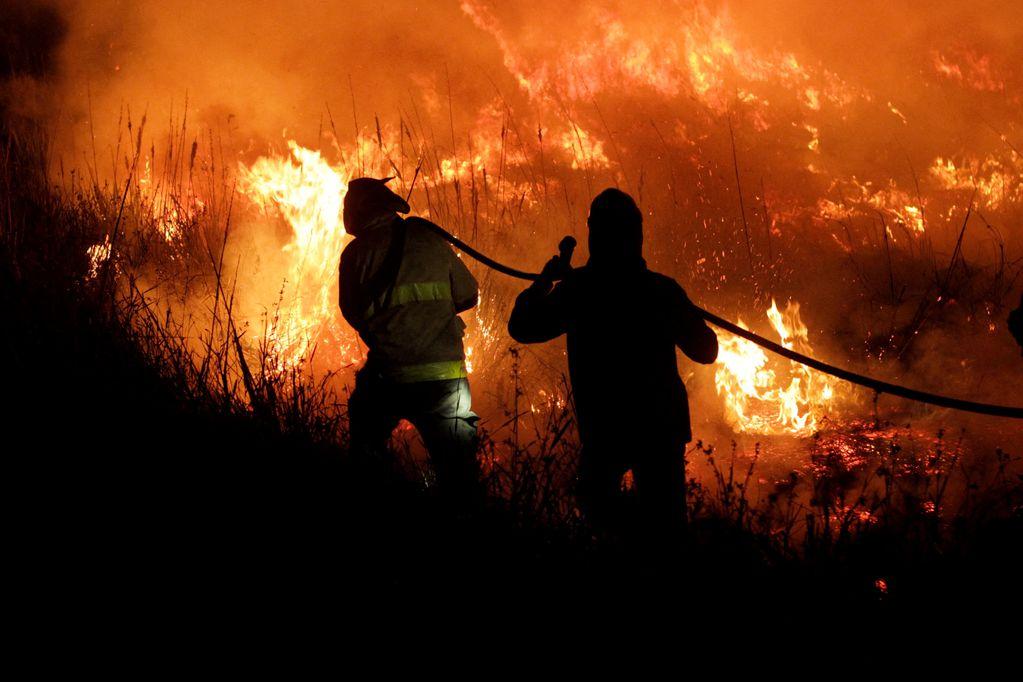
pixel 98 255
pixel 760 396
pixel 864 199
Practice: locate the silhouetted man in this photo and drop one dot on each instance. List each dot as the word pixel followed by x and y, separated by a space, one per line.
pixel 623 323
pixel 402 288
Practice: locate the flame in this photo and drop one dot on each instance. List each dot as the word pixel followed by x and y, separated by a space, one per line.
pixel 704 56
pixel 968 68
pixel 308 193
pixel 757 399
pixel 584 150
pixel 996 182
pixel 863 199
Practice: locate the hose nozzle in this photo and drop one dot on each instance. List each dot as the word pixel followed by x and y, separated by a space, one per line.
pixel 566 247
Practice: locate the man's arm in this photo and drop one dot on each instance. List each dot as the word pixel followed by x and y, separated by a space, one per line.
pixel 538 313
pixel 353 307
pixel 692 335
pixel 464 288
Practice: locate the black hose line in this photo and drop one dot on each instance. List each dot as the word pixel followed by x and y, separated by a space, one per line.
pixel 852 377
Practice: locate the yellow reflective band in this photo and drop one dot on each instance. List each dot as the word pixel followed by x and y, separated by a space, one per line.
pixel 428 371
pixel 416 292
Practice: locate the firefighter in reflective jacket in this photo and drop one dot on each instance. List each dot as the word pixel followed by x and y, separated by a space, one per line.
pixel 623 323
pixel 402 288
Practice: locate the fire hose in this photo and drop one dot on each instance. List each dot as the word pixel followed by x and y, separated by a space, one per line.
pixel 567 245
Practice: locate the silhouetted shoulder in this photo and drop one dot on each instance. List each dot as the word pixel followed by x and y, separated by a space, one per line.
pixel 424 233
pixel 577 276
pixel 424 227
pixel 348 252
pixel 665 286
pixel 352 253
pixel 416 221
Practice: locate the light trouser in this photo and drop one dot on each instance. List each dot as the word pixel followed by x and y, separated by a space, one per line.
pixel 440 411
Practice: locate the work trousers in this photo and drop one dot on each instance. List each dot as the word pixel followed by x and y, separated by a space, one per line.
pixel 440 411
pixel 655 507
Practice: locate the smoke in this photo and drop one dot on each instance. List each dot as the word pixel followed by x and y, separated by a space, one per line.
pixel 257 69
pixel 30 36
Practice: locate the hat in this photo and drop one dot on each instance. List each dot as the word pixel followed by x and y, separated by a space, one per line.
pixel 368 198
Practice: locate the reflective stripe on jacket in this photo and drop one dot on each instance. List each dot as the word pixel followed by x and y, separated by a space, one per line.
pixel 411 324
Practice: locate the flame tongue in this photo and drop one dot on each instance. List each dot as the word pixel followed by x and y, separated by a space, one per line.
pixel 308 192
pixel 762 395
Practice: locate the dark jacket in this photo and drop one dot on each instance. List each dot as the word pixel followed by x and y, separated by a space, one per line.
pixel 409 316
pixel 623 325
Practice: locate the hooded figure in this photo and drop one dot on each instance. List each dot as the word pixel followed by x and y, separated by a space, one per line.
pixel 623 323
pixel 401 289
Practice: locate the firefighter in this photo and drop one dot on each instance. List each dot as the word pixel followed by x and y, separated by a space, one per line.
pixel 401 289
pixel 622 323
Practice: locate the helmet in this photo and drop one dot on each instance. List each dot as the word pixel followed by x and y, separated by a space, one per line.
pixel 368 198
